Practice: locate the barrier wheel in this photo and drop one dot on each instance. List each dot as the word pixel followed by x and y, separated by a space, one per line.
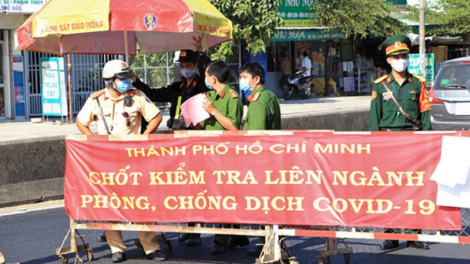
pixel 89 255
pixel 64 259
pixel 347 258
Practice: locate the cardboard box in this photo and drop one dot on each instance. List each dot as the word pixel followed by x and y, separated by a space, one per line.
pixel 319 86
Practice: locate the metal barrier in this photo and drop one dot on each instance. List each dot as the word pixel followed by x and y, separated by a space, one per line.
pixel 274 249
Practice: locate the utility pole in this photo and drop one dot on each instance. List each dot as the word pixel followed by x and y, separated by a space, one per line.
pixel 422 47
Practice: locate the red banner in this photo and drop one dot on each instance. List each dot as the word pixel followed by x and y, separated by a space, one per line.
pixel 291 178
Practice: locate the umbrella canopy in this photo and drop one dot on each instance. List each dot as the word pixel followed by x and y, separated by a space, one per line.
pixel 116 26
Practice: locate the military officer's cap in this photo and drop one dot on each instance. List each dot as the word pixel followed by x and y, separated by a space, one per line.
pixel 397 44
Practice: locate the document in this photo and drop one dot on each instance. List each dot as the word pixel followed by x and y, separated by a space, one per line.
pixel 192 110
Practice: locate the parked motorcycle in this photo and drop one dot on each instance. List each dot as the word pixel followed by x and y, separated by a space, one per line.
pixel 298 85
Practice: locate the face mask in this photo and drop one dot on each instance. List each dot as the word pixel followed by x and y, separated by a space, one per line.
pixel 400 65
pixel 123 86
pixel 188 74
pixel 245 88
pixel 207 84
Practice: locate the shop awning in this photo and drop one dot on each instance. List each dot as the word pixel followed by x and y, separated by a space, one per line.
pixel 307 33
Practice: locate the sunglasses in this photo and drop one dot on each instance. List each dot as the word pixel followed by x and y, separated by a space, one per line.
pixel 128 120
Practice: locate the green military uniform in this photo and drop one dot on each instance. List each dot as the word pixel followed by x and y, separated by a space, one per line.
pixel 228 103
pixel 264 112
pixel 384 113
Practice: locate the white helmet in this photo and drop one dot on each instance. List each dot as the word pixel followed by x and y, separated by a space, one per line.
pixel 116 68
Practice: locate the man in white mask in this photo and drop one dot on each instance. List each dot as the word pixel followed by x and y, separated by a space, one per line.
pixel 409 92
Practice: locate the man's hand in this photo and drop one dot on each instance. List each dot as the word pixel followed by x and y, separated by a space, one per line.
pixel 209 107
pixel 198 43
pixel 134 76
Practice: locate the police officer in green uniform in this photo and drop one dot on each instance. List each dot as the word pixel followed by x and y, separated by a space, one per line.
pixel 410 93
pixel 222 102
pixel 226 110
pixel 264 111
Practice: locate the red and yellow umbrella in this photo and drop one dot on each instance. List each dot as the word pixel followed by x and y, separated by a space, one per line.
pixel 118 26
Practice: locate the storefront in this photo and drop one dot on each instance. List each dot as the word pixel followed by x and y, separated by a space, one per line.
pixel 12 92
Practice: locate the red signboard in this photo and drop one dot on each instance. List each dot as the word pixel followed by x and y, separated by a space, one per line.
pixel 298 178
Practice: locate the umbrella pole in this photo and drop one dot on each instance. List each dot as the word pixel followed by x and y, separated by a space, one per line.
pixel 69 66
pixel 126 47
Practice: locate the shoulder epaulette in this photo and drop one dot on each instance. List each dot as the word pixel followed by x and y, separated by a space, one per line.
pixel 380 79
pixel 233 94
pixel 421 79
pixel 253 98
pixel 97 94
pixel 222 94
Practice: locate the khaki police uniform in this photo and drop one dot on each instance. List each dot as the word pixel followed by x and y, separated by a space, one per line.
pixel 117 124
pixel 264 111
pixel 113 110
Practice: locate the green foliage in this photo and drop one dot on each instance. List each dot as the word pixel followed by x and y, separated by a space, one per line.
pixel 452 16
pixel 254 22
pixel 359 18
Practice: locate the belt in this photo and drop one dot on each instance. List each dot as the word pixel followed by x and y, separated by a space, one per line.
pixel 395 129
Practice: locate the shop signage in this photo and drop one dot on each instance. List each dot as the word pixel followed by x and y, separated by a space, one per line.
pixel 53 94
pixel 297 13
pixel 291 178
pixel 312 34
pixel 21 6
pixel 414 67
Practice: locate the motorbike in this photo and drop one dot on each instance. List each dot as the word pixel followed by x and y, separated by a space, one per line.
pixel 298 86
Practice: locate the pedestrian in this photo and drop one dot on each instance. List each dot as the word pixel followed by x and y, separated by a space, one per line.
pixel 192 66
pixel 399 102
pixel 285 66
pixel 264 112
pixel 118 110
pixel 306 64
pixel 226 110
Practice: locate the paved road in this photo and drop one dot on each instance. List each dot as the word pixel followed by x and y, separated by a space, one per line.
pixel 29 234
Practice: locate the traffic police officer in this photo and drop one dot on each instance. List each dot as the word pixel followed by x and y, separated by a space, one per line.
pixel 410 93
pixel 119 111
pixel 226 110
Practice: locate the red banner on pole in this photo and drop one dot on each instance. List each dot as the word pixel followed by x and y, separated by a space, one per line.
pixel 298 178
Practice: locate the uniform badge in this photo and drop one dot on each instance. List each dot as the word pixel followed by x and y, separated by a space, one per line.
pixel 150 21
pixel 387 96
pixel 147 100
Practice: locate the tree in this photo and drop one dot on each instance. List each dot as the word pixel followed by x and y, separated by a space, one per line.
pixel 254 22
pixel 450 16
pixel 358 19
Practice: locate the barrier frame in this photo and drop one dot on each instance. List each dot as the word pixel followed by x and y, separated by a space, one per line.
pixel 274 248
